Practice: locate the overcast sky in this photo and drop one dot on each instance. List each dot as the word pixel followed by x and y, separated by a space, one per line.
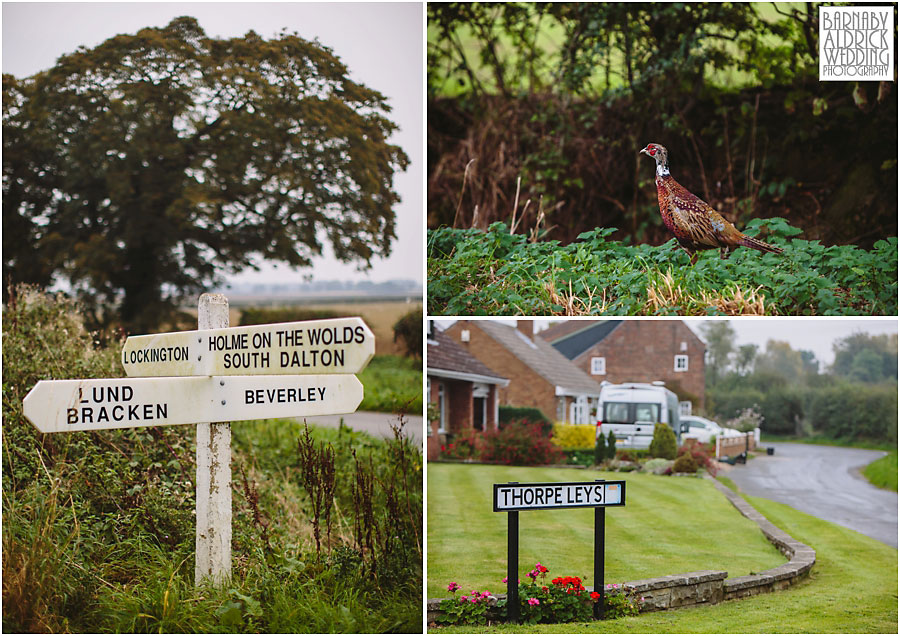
pixel 812 334
pixel 380 43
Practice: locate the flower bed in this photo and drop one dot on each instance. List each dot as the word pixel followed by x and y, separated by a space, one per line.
pixel 564 600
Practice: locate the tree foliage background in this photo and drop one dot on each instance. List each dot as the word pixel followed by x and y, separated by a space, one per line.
pixel 146 166
pixel 564 95
pixel 855 399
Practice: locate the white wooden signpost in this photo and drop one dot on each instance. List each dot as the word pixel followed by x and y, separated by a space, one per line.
pixel 211 377
pixel 63 406
pixel 339 345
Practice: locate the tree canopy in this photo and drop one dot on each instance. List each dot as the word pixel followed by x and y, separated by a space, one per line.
pixel 143 168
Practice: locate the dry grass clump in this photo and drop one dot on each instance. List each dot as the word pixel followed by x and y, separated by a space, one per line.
pixel 665 293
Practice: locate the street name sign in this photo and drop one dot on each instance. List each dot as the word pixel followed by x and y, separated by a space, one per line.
pixel 513 497
pixel 558 495
pixel 338 345
pixel 58 406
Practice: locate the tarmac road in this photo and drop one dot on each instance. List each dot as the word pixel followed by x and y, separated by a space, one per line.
pixel 823 481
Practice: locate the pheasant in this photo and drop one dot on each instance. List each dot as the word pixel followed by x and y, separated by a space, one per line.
pixel 693 221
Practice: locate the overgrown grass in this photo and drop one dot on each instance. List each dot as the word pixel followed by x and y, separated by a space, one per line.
pixel 472 272
pixel 844 593
pixel 98 528
pixel 883 472
pixel 392 384
pixel 669 525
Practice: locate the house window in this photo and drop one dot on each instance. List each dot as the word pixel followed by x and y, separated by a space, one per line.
pixel 681 363
pixel 442 409
pixel 683 345
pixel 684 408
pixel 598 366
pixel 427 401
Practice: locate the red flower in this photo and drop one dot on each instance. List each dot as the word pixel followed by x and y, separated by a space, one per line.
pixel 595 596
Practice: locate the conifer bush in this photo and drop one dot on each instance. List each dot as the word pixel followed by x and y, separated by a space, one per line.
pixel 663 444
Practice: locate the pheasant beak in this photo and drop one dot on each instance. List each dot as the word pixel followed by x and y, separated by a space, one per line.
pixel 644 152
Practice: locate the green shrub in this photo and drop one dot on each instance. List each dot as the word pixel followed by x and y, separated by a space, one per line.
pixel 700 454
pixel 574 436
pixel 600 450
pixel 685 464
pixel 268 315
pixel 409 329
pixel 611 445
pixel 664 444
pixel 509 414
pixel 579 457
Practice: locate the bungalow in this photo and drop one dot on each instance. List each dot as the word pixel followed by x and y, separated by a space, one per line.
pixel 539 375
pixel 462 389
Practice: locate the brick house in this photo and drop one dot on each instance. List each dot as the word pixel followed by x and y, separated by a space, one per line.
pixel 539 376
pixel 464 390
pixel 636 351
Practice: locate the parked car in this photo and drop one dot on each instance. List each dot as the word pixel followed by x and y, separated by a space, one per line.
pixel 632 410
pixel 703 430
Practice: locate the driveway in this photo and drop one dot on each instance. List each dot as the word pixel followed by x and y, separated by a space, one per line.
pixel 823 481
pixel 375 424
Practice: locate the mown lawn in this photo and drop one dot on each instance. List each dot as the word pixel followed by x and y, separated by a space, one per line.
pixel 851 589
pixel 668 526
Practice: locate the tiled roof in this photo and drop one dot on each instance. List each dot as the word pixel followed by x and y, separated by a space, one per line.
pixel 577 342
pixel 448 355
pixel 565 327
pixel 541 357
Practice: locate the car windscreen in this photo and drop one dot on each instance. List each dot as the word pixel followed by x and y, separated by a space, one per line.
pixel 630 412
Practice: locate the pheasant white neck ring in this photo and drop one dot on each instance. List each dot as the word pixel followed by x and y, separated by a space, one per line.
pixel 662 169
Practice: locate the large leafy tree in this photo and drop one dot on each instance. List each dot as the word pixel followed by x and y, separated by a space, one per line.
pixel 142 168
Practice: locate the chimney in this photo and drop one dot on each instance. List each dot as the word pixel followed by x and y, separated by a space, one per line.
pixel 526 327
pixel 465 334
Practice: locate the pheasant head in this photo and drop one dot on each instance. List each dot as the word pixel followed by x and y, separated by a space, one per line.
pixel 662 158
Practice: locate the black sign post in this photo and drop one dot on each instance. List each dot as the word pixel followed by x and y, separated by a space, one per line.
pixel 599 557
pixel 512 564
pixel 513 497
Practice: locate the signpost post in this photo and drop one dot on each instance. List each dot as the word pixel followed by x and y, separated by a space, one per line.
pixel 513 497
pixel 212 508
pixel 212 377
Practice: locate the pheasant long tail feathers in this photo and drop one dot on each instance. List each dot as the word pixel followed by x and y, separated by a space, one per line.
pixel 749 241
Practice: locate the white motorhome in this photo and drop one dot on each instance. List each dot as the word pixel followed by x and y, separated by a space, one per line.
pixel 632 410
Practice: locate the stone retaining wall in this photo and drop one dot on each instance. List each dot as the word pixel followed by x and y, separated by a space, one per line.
pixel 713 586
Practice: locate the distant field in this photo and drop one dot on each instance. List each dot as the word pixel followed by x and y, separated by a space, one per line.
pixel 380 315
